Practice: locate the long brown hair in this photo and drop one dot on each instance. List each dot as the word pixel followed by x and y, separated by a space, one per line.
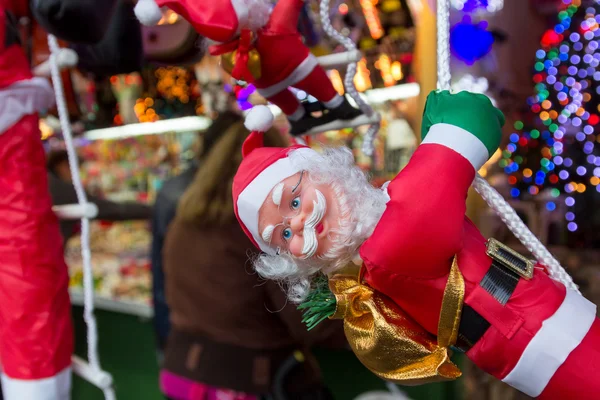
pixel 208 199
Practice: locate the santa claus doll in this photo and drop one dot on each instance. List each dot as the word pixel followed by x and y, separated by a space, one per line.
pixel 36 334
pixel 262 46
pixel 408 272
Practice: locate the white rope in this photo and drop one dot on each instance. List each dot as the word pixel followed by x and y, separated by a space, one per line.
pixel 369 136
pixel 88 284
pixel 487 192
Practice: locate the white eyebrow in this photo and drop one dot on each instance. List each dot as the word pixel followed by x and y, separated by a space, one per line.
pixel 278 193
pixel 267 233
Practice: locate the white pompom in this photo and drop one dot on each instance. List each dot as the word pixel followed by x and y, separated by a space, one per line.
pixel 260 119
pixel 259 12
pixel 147 12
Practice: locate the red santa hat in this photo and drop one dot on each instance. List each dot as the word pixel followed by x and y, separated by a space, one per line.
pixel 261 169
pixel 218 20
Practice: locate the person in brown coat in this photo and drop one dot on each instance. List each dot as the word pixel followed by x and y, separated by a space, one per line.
pixel 233 335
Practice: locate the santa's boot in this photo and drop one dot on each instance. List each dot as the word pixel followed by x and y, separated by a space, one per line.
pixel 308 121
pixel 345 111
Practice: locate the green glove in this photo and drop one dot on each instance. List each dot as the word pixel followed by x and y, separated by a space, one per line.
pixel 472 112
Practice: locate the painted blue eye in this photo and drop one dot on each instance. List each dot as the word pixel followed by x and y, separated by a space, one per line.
pixel 295 204
pixel 287 234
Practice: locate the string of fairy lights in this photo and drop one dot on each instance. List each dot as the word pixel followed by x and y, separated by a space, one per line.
pixel 567 108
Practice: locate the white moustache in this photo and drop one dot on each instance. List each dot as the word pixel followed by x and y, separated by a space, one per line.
pixel 311 243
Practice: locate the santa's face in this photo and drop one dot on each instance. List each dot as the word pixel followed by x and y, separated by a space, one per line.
pixel 299 216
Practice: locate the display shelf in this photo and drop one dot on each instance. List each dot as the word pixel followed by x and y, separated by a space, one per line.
pixel 117 305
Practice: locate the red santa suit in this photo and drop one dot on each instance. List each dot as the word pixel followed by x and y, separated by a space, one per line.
pixel 527 330
pixel 284 59
pixel 36 334
pixel 545 339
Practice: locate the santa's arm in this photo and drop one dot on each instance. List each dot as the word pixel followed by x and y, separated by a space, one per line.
pixel 285 15
pixel 424 219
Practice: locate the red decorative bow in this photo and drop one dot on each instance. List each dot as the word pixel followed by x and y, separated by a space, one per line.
pixel 242 46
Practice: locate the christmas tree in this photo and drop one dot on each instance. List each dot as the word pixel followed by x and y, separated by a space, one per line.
pixel 557 149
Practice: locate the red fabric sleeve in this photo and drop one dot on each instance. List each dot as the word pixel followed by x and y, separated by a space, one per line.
pixel 422 227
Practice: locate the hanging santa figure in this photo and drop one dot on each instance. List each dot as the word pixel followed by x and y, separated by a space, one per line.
pixel 425 281
pixel 36 334
pixel 263 47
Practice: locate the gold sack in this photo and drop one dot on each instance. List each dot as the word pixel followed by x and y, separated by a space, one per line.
pixel 388 342
pixel 228 63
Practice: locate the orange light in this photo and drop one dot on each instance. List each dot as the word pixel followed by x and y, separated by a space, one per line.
pixel 580 111
pixel 581 188
pixel 594 180
pixel 527 173
pixel 362 81
pixel 336 80
pixel 553 114
pixel 544 115
pixel 534 190
pixel 385 67
pixel 546 104
pixel 546 153
pixel 343 8
pixel 372 18
pixel 397 70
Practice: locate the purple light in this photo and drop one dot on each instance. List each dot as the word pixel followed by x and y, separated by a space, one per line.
pixel 591 159
pixel 569 216
pixel 588 130
pixel 572 226
pixel 569 201
pixel 578 46
pixel 582 73
pixel 553 70
pixel 597 171
pixel 558 134
pixel 581 171
pixel 584 84
pixel 558 160
pixel 580 136
pixel 558 85
pixel 570 81
pixel 588 147
pixel 588 58
pixel 562 96
pixel 568 188
pixel 562 119
pixel 572 70
pixel 564 48
pixel 597 161
pixel 598 188
pixel 576 121
pixel 540 53
pixel 551 79
pixel 568 162
pixel 589 35
pixel 564 175
pixel 558 147
pixel 575 59
pixel 574 38
pixel 585 116
pixel 593 44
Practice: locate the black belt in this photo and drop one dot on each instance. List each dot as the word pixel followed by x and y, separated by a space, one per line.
pixel 500 281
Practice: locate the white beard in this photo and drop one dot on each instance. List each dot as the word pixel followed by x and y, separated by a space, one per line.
pixel 360 204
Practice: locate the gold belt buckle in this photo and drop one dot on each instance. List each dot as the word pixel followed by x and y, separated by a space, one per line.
pixel 509 258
